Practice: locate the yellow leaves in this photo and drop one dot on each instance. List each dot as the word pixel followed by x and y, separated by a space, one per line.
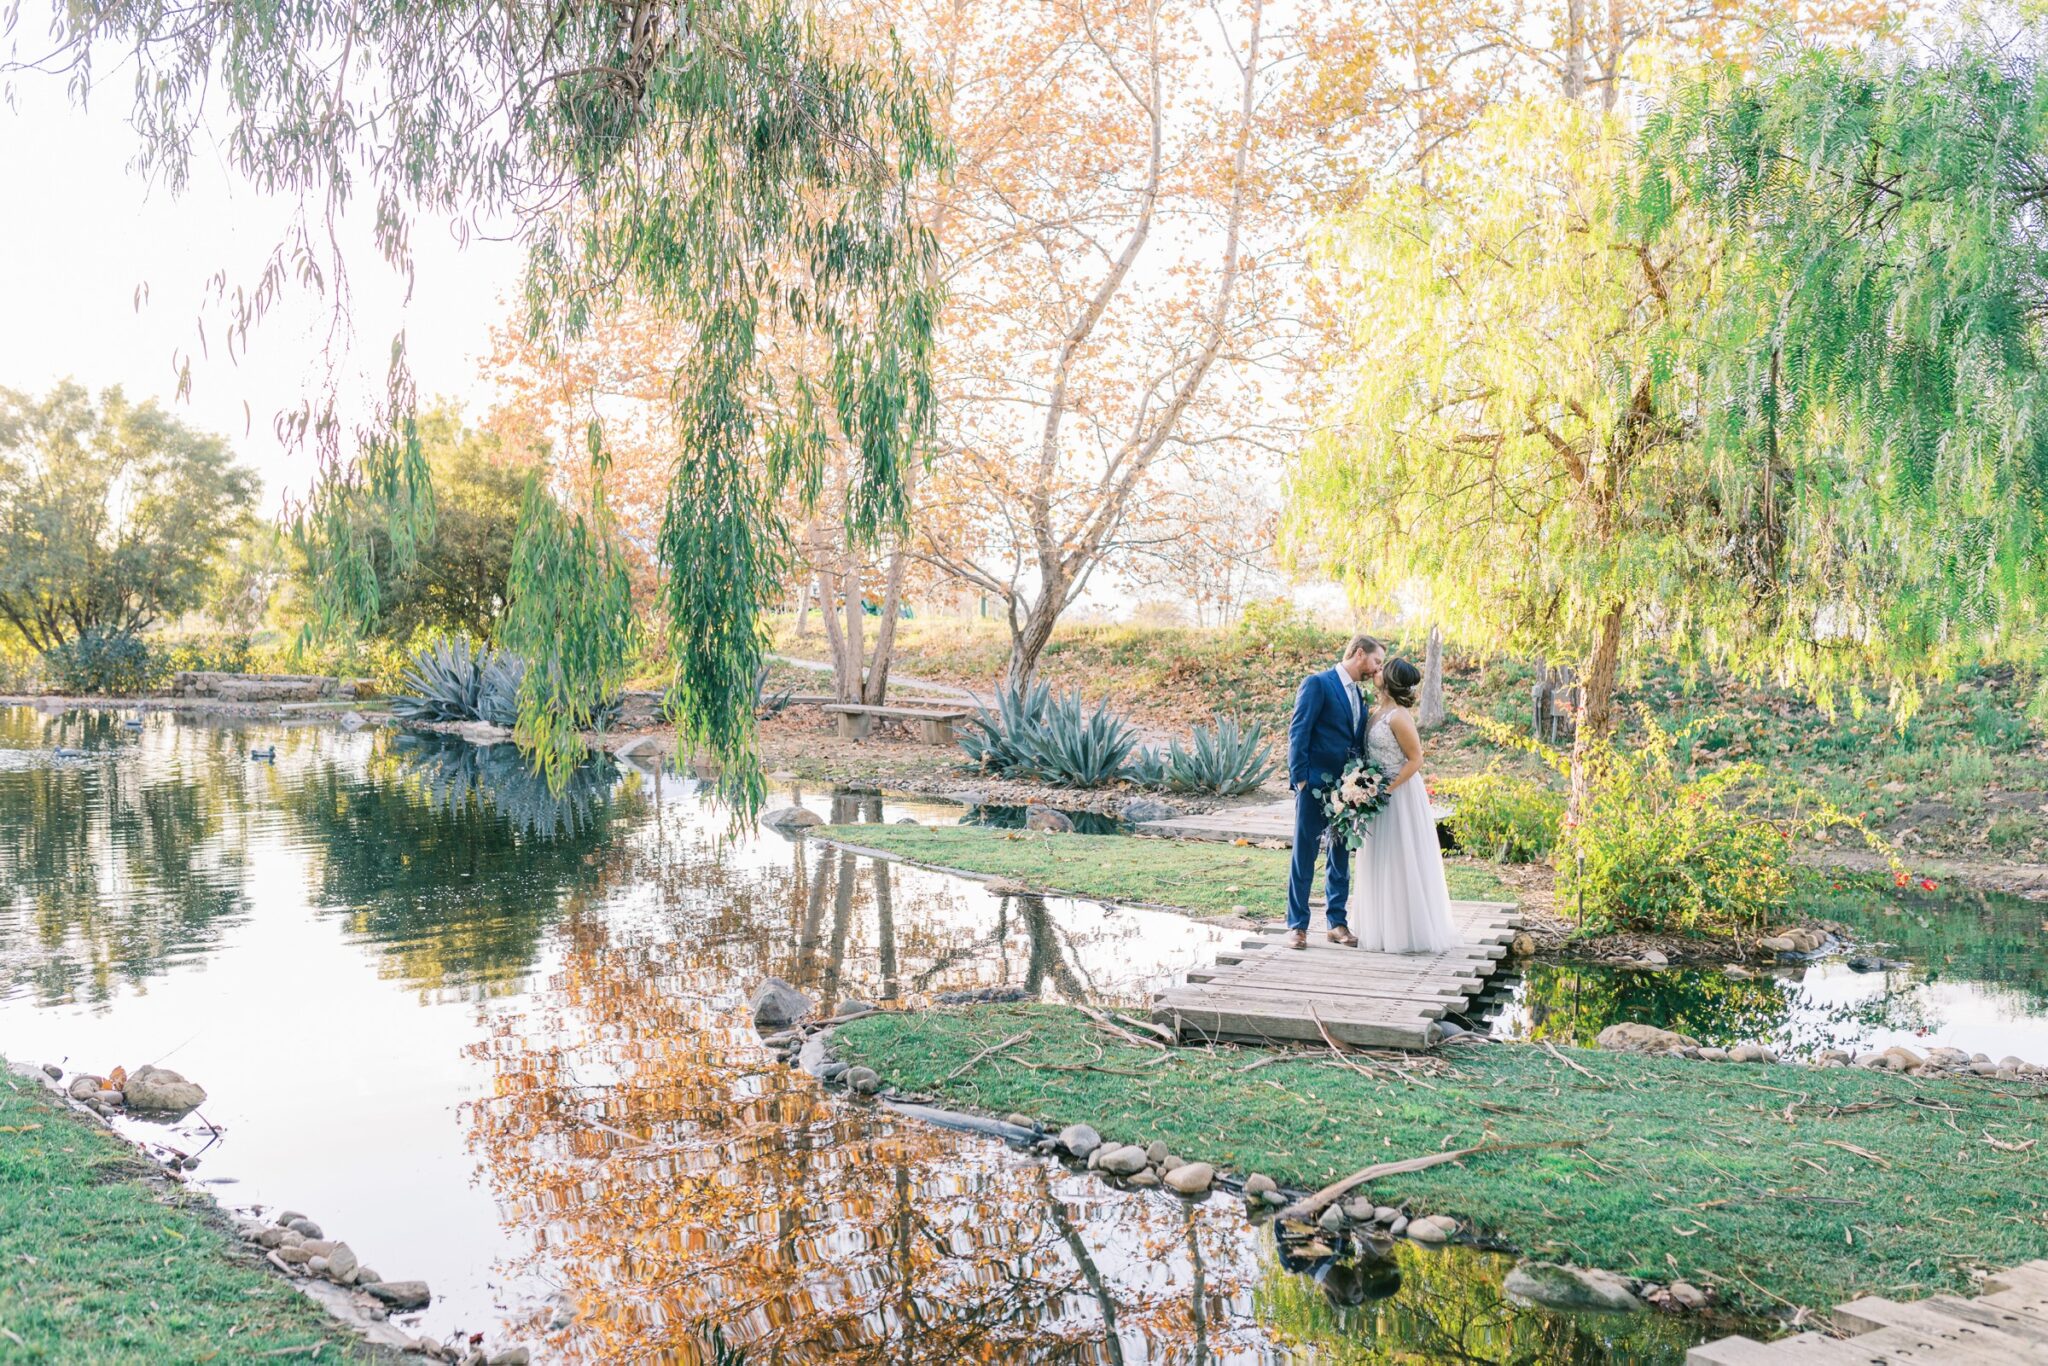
pixel 117 1080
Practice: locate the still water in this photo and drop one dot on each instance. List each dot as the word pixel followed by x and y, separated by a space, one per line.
pixel 498 1041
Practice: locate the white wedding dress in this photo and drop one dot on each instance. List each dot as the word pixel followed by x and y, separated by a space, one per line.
pixel 1400 890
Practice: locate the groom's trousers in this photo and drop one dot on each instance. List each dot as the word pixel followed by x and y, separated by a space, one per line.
pixel 1310 824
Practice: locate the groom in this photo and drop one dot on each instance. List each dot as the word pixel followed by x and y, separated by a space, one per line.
pixel 1328 732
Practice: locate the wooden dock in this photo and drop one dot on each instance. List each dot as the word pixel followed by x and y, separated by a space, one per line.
pixel 2007 1323
pixel 1260 824
pixel 1266 992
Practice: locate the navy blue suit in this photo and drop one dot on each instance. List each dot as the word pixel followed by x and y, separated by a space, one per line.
pixel 1321 739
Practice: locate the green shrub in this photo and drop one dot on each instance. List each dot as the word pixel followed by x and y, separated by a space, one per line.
pixel 228 654
pixel 110 663
pixel 1224 760
pixel 1666 849
pixel 457 679
pixel 1146 768
pixel 995 739
pixel 1500 816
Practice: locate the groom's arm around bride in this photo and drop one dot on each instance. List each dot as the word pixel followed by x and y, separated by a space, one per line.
pixel 1324 736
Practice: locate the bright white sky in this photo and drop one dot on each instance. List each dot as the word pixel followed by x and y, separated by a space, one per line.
pixel 81 231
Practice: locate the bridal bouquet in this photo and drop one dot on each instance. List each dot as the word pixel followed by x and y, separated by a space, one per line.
pixel 1355 800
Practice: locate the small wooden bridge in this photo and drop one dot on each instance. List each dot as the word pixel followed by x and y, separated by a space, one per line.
pixel 1266 992
pixel 2008 1323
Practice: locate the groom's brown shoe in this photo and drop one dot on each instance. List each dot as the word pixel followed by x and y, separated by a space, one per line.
pixel 1298 939
pixel 1340 935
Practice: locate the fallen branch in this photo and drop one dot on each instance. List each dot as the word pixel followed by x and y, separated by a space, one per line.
pixel 1551 1049
pixel 1308 1209
pixel 1323 1030
pixel 1103 1021
pixel 1161 1030
pixel 992 1048
pixel 1863 1153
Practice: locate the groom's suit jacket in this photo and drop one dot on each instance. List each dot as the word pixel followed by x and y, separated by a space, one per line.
pixel 1322 738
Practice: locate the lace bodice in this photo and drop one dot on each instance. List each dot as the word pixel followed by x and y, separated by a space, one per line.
pixel 1382 747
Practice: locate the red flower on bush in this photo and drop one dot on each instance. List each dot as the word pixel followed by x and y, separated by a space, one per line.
pixel 1901 879
pixel 1927 884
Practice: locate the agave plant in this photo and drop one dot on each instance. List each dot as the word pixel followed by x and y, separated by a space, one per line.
pixel 1226 760
pixel 459 679
pixel 1146 769
pixel 1073 749
pixel 995 740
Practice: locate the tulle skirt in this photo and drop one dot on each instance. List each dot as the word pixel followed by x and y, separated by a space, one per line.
pixel 1399 902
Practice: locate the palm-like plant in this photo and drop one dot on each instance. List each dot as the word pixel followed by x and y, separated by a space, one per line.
pixel 995 740
pixel 1073 749
pixel 1224 760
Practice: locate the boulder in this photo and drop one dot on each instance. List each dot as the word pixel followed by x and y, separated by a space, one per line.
pixel 341 1261
pixel 1080 1140
pixel 1686 1295
pixel 401 1294
pixel 162 1090
pixel 1523 945
pixel 1145 1179
pixel 1046 819
pixel 1629 1037
pixel 1656 958
pixel 1155 1152
pixel 791 818
pixel 1432 1229
pixel 776 1003
pixel 1333 1220
pixel 1257 1184
pixel 1735 972
pixel 304 1227
pixel 1904 1059
pixel 1138 810
pixel 1567 1287
pixel 85 1086
pixel 1776 943
pixel 53 1072
pixel 1128 1160
pixel 1751 1052
pixel 863 1080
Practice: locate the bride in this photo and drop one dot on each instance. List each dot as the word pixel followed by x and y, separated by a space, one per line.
pixel 1408 907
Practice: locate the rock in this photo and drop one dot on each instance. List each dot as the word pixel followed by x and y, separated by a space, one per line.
pixel 1258 1183
pixel 162 1090
pixel 401 1294
pixel 782 1038
pixel 319 1266
pixel 1863 962
pixel 1686 1295
pixel 85 1086
pixel 1399 1226
pixel 1523 945
pixel 1138 810
pixel 305 1227
pixel 1155 1152
pixel 320 1247
pixel 864 1080
pixel 906 820
pixel 295 1256
pixel 1128 1160
pixel 776 1003
pixel 511 1356
pixel 791 818
pixel 1629 1037
pixel 1713 1055
pixel 1359 1211
pixel 1805 940
pixel 364 1275
pixel 1376 1243
pixel 1332 1220
pixel 341 1261
pixel 53 1072
pixel 1095 1159
pixel 1046 819
pixel 1984 1069
pixel 1145 1179
pixel 1776 943
pixel 1735 972
pixel 1432 1229
pixel 1274 1199
pixel 1904 1059
pixel 1170 1162
pixel 1751 1052
pixel 1022 1121
pixel 108 1097
pixel 285 1217
pixel 1081 1140
pixel 1385 1214
pixel 2011 1064
pixel 1656 958
pixel 1567 1287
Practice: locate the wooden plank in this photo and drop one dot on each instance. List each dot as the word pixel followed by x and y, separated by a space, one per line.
pixel 2033 1327
pixel 1816 1348
pixel 1892 1344
pixel 1958 1338
pixel 1362 1008
pixel 899 713
pixel 1390 966
pixel 1427 984
pixel 1447 998
pixel 2032 1302
pixel 2029 1276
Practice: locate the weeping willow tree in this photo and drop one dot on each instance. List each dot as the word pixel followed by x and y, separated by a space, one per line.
pixel 1510 438
pixel 718 160
pixel 1872 354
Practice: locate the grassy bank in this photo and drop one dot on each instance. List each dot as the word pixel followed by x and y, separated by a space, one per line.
pixel 1195 876
pixel 1813 1185
pixel 95 1267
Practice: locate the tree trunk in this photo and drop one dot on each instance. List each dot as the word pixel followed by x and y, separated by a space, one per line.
pixel 803 611
pixel 1430 714
pixel 875 687
pixel 1028 641
pixel 1596 708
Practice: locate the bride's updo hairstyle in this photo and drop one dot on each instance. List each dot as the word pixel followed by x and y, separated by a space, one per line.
pixel 1400 679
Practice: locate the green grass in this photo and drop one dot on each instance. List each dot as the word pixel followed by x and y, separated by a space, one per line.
pixel 94 1267
pixel 1725 1174
pixel 1200 877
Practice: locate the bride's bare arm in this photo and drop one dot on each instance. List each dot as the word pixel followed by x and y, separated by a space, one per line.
pixel 1403 726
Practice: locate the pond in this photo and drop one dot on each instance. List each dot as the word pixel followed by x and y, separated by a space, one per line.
pixel 498 1041
pixel 1953 967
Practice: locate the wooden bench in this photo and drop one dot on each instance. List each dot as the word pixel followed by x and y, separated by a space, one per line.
pixel 936 727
